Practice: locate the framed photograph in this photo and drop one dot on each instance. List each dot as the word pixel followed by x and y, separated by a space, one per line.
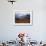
pixel 23 18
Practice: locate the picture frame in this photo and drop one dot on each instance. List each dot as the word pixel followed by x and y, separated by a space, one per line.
pixel 23 17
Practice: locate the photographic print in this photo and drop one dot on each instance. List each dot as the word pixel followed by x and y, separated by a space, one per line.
pixel 23 18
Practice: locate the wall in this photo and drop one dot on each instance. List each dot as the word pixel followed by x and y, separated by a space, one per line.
pixel 9 31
